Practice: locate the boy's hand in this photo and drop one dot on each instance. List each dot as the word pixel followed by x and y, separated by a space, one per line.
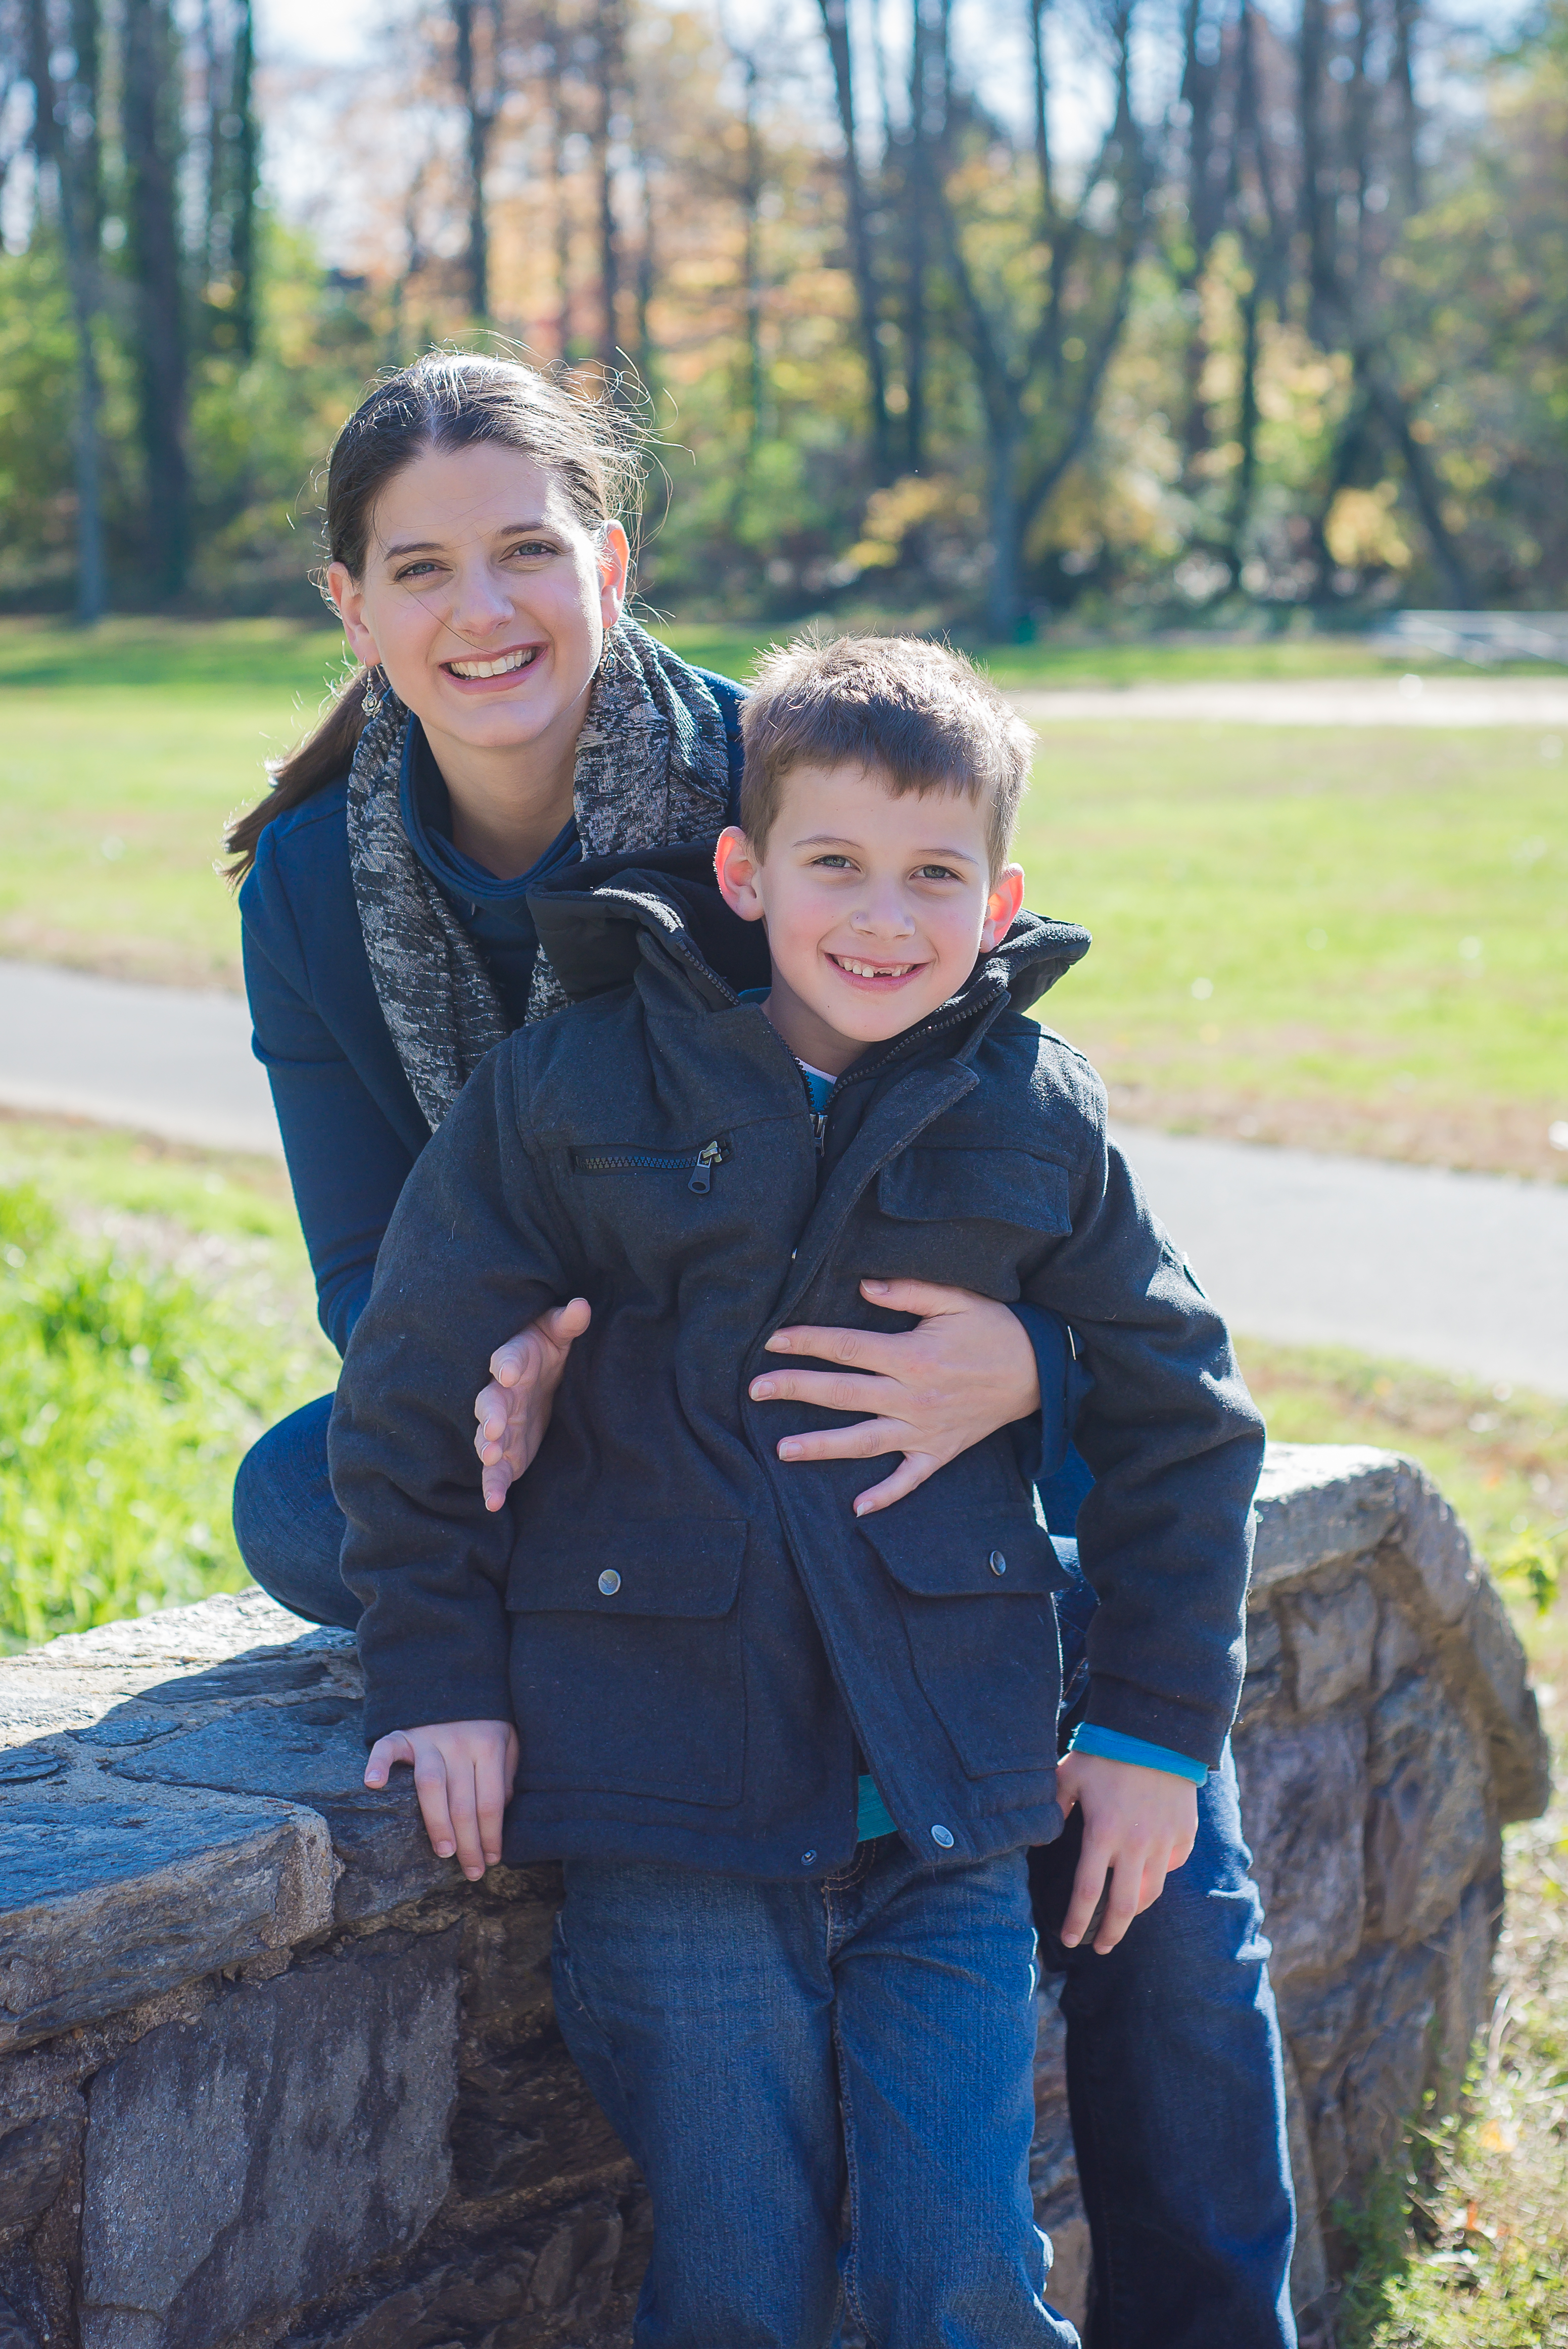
pixel 463 1773
pixel 1138 1824
pixel 968 1369
pixel 513 1410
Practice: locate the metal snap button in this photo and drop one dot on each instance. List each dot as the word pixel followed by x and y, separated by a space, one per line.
pixel 608 1582
pixel 944 1835
pixel 997 1562
pixel 807 1857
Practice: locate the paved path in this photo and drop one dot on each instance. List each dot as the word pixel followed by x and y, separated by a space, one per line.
pixel 1540 702
pixel 1465 1272
pixel 165 1060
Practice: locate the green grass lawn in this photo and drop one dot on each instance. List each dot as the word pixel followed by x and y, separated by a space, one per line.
pixel 1355 940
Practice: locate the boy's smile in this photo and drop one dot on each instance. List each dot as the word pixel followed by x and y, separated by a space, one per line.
pixel 877 903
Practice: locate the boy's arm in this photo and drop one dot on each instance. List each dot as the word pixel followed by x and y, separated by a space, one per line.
pixel 1175 1444
pixel 469 1257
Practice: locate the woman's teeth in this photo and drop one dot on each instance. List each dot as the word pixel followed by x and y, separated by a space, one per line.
pixel 498 668
pixel 873 970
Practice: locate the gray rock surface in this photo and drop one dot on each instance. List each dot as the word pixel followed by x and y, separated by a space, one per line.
pixel 239 2165
pixel 269 2072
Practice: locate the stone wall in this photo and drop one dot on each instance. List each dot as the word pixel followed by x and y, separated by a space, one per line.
pixel 271 2073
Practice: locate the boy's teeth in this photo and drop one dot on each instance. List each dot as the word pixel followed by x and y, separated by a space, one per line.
pixel 873 970
pixel 492 668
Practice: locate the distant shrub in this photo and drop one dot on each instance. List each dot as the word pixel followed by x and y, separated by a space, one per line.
pixel 126 1395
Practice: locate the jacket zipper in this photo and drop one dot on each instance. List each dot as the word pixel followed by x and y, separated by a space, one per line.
pixel 612 1159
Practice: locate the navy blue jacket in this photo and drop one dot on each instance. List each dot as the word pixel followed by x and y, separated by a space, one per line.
pixel 693 1638
pixel 350 1124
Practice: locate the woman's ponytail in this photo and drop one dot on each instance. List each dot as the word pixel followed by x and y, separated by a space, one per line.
pixel 323 757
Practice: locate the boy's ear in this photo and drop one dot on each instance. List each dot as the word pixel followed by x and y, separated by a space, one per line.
pixel 735 868
pixel 1001 906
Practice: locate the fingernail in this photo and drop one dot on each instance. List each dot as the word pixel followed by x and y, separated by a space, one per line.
pixel 474 1873
pixel 763 1391
pixel 788 1451
pixel 876 1287
pixel 1069 1940
pixel 778 1344
pixel 445 1850
pixel 860 1508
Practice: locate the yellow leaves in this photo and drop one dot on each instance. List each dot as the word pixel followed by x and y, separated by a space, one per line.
pixel 1362 531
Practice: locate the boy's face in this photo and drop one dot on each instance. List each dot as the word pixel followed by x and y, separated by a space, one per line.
pixel 877 906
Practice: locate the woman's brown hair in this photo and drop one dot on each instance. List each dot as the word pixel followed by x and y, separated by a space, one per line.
pixel 447 399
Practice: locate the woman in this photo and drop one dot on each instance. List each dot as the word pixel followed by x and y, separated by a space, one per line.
pixel 506 719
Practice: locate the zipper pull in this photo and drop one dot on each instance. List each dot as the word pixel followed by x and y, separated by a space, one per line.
pixel 820 1129
pixel 707 1158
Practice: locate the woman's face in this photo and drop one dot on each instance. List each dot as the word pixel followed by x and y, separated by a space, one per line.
pixel 484 599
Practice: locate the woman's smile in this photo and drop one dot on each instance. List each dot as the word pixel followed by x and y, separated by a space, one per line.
pixel 488 670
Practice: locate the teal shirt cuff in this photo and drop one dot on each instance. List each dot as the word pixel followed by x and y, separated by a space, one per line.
pixel 1112 1746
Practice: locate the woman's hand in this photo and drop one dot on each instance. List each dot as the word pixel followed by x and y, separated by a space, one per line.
pixel 968 1369
pixel 513 1410
pixel 463 1774
pixel 1138 1824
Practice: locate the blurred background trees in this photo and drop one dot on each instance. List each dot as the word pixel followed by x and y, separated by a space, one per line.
pixel 974 314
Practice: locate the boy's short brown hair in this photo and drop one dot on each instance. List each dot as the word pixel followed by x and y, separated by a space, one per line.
pixel 922 713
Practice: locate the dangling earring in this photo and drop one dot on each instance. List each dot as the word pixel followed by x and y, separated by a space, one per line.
pixel 370 701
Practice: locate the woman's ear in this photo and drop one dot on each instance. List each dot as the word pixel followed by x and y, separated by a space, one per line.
pixel 1001 906
pixel 349 598
pixel 735 868
pixel 614 558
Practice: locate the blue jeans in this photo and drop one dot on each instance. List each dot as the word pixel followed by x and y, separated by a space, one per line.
pixel 827 2087
pixel 1173 2054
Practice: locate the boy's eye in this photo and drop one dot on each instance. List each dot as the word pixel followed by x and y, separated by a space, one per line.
pixel 935 873
pixel 834 860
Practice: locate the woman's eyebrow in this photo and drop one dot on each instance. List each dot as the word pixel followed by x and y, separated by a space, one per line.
pixel 438 546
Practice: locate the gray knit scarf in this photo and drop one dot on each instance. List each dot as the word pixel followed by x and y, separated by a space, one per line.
pixel 652 768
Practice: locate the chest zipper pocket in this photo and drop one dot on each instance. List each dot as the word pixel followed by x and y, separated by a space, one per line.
pixel 613 1158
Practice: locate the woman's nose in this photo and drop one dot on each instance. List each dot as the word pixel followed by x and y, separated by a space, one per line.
pixel 478 601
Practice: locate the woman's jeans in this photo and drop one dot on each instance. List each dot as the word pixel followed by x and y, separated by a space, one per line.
pixel 1172 2043
pixel 825 2084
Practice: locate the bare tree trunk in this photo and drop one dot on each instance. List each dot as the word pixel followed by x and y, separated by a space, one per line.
pixel 1425 486
pixel 609 34
pixel 480 110
pixel 76 160
pixel 1405 14
pixel 836 26
pixel 560 217
pixel 646 279
pixel 751 185
pixel 149 121
pixel 246 178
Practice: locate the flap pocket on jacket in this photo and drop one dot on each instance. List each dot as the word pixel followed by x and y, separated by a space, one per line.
pixel 969 1553
pixel 943 1183
pixel 974 1589
pixel 655 1565
pixel 627 1676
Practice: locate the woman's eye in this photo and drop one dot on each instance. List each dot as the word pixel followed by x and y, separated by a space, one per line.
pixel 534 550
pixel 414 570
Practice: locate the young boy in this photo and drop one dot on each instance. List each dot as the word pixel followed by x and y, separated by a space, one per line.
pixel 793 1763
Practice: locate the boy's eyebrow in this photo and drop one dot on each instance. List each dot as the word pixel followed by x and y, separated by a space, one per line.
pixel 839 840
pixel 436 545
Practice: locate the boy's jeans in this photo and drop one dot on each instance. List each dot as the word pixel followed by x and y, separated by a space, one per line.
pixel 781 2057
pixel 1172 2043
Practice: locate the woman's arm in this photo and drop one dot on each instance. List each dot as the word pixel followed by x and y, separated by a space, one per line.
pixel 972 1366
